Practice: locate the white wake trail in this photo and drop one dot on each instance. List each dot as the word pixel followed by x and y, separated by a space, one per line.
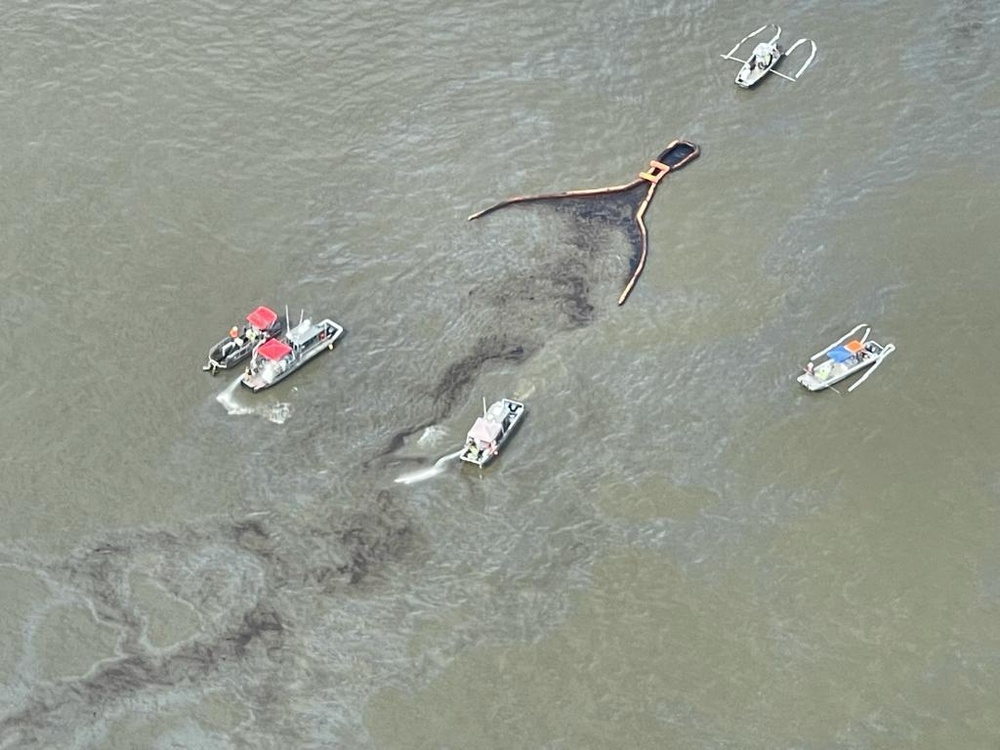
pixel 431 471
pixel 277 413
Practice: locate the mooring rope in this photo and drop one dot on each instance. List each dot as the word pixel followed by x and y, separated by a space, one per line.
pixel 676 155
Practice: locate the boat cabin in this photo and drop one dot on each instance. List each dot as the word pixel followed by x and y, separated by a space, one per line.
pixel 488 431
pixel 271 359
pixel 263 320
pixel 307 335
pixel 484 434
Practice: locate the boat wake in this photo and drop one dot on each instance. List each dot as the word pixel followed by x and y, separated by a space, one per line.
pixel 277 413
pixel 524 391
pixel 432 436
pixel 430 472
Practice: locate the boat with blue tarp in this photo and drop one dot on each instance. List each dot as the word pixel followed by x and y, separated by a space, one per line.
pixel 844 358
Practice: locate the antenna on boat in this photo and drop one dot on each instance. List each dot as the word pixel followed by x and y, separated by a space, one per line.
pixel 484 406
pixel 288 320
pixel 302 315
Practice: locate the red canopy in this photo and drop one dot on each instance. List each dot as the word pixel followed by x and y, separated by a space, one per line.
pixel 273 349
pixel 262 318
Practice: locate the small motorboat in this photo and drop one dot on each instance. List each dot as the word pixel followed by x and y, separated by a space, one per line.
pixel 491 431
pixel 844 358
pixel 674 157
pixel 765 56
pixel 277 358
pixel 262 324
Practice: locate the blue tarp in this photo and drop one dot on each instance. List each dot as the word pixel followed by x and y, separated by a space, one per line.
pixel 840 354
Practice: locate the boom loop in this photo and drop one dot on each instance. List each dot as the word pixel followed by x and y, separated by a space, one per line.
pixel 676 155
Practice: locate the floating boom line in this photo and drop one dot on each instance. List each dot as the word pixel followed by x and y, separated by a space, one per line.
pixel 679 153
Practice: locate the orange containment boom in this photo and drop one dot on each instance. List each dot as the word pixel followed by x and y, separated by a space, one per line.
pixel 677 154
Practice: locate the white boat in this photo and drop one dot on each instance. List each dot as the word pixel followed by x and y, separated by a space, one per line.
pixel 277 358
pixel 765 57
pixel 491 431
pixel 842 359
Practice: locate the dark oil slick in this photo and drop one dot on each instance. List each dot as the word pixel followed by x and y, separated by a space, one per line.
pixel 331 557
pixel 639 193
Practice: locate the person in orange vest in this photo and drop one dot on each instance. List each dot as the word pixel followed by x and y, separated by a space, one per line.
pixel 234 340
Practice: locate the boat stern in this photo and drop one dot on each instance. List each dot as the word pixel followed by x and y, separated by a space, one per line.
pixel 749 77
pixel 476 456
pixel 253 382
pixel 811 382
pixel 216 359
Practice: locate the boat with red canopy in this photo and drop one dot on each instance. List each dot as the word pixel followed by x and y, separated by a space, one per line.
pixel 277 358
pixel 263 323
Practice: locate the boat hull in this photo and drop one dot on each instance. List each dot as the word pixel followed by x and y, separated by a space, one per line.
pixel 219 361
pixel 678 154
pixel 821 382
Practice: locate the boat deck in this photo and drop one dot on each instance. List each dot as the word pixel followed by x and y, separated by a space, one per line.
pixel 830 373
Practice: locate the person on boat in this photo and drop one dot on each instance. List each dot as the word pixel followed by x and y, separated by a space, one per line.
pixel 234 341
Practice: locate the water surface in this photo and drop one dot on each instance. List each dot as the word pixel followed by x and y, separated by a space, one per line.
pixel 680 548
